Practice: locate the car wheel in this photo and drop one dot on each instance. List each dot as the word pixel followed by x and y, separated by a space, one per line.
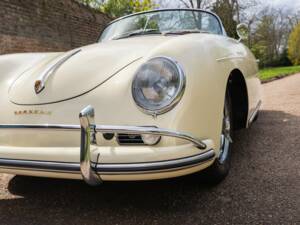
pixel 220 168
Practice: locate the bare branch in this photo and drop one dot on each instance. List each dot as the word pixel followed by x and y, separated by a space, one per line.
pixel 192 3
pixel 185 3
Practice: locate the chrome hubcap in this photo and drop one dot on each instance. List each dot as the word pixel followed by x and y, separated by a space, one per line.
pixel 225 136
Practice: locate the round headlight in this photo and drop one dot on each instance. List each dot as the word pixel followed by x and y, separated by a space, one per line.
pixel 158 85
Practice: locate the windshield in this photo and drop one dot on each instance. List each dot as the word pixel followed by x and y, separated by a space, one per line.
pixel 160 22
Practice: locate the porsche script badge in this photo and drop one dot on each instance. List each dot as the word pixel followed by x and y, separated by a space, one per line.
pixel 32 112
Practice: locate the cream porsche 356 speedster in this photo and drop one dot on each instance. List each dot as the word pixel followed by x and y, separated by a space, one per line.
pixel 157 97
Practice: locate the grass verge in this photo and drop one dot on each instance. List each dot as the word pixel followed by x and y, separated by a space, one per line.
pixel 270 74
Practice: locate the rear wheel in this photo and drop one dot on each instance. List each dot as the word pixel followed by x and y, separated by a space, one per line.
pixel 220 168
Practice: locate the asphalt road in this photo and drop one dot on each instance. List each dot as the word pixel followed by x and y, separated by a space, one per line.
pixel 262 188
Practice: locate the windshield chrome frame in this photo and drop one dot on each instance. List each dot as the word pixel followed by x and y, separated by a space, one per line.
pixel 162 10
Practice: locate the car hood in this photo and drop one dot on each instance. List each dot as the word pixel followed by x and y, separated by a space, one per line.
pixel 79 71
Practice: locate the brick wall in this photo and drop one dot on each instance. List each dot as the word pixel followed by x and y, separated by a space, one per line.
pixel 47 25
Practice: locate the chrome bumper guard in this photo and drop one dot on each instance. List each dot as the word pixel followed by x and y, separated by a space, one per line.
pixel 89 129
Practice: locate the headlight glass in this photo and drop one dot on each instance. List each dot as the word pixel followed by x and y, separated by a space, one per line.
pixel 158 85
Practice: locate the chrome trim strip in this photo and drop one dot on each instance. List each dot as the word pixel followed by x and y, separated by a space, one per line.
pixel 39 165
pixel 89 129
pixel 107 168
pixel 40 83
pixel 151 130
pixel 112 129
pixel 57 127
pixel 230 57
pixel 153 166
pixel 251 118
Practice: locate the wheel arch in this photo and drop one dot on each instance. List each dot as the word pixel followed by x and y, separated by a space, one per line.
pixel 239 99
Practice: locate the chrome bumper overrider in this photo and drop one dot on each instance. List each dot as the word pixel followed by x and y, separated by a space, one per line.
pixel 88 169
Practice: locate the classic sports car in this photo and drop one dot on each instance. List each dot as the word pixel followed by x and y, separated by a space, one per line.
pixel 157 97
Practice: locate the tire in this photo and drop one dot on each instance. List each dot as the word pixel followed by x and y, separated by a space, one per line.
pixel 221 166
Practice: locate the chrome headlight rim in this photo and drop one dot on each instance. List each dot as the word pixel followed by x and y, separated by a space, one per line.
pixel 177 96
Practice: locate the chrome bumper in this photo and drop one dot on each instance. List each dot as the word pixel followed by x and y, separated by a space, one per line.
pixel 88 169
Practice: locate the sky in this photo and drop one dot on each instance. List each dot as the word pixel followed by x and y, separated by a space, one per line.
pixel 288 4
pixel 295 4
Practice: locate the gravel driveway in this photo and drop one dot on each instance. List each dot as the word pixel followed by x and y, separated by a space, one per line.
pixel 262 188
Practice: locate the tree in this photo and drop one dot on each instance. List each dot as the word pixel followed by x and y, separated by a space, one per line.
pixel 269 40
pixel 117 8
pixel 197 4
pixel 229 12
pixel 225 9
pixel 92 3
pixel 264 46
pixel 294 45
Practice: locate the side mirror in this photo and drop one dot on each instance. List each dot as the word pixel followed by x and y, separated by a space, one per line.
pixel 242 31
